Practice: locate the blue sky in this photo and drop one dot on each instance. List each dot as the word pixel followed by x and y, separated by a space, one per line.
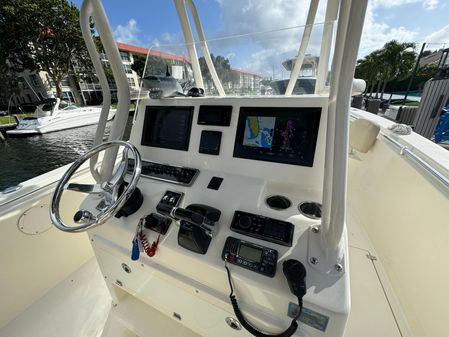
pixel 152 22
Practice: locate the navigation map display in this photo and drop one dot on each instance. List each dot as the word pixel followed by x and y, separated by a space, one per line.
pixel 284 135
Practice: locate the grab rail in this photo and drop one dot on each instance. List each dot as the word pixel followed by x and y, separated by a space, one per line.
pixel 94 9
pixel 404 150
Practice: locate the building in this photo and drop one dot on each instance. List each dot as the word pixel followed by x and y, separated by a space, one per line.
pixel 35 86
pixel 248 82
pixel 38 85
pixel 439 58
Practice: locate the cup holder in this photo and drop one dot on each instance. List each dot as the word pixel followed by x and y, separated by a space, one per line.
pixel 278 202
pixel 310 209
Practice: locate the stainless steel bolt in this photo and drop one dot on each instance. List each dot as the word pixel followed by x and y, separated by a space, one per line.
pixel 315 229
pixel 339 267
pixel 313 260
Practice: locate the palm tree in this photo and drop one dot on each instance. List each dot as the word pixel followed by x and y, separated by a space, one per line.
pixel 393 62
pixel 368 69
pixel 397 60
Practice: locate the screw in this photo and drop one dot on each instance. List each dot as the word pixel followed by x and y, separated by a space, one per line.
pixel 313 260
pixel 338 267
pixel 315 229
pixel 126 268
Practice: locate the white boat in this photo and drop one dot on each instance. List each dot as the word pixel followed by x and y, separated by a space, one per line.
pixel 240 182
pixel 51 117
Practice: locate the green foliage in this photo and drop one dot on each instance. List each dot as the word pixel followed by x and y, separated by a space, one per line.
pixel 393 62
pixel 223 68
pixel 155 65
pixel 139 65
pixel 428 71
pixel 42 35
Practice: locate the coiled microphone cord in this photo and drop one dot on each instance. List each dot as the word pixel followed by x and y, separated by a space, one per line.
pixel 287 333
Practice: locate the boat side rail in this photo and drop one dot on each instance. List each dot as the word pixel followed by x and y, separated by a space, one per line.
pixel 28 189
pixel 405 150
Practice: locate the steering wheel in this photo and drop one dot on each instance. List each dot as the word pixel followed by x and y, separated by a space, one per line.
pixel 112 200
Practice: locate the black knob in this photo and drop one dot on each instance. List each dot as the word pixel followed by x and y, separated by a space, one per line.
pixel 245 221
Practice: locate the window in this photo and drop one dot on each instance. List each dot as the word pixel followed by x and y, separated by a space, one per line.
pixel 125 56
pixel 68 96
pixel 35 80
pixel 65 81
pixel 50 81
pixel 128 69
pixel 131 82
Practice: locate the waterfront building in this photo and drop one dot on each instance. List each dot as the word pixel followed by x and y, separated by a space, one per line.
pixel 37 85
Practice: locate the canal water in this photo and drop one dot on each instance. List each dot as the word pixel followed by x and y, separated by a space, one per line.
pixel 24 158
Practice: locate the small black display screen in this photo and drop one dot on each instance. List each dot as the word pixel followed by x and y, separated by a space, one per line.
pixel 167 127
pixel 219 115
pixel 250 253
pixel 274 230
pixel 282 135
pixel 210 142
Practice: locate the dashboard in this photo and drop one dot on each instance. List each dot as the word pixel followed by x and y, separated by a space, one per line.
pixel 223 179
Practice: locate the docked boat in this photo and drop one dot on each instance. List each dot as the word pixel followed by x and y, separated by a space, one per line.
pixel 50 116
pixel 306 80
pixel 289 215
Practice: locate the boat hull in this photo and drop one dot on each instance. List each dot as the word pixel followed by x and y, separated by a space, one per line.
pixel 60 122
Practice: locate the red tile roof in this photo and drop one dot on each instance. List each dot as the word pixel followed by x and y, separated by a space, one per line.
pixel 144 51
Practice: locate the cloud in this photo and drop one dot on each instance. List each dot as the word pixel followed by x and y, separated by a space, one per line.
pixel 376 33
pixel 430 4
pixel 170 43
pixel 426 4
pixel 440 36
pixel 128 33
pixel 264 52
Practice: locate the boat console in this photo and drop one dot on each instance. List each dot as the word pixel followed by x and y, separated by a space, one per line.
pixel 222 181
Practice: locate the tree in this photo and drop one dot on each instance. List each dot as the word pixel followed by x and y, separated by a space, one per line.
pixel 139 64
pixel 369 70
pixel 155 65
pixel 397 61
pixel 428 71
pixel 42 35
pixel 393 62
pixel 223 68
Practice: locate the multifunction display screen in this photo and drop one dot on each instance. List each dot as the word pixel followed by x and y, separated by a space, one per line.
pixel 167 127
pixel 283 135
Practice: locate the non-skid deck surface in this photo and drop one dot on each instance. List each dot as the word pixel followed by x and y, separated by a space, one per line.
pixel 80 306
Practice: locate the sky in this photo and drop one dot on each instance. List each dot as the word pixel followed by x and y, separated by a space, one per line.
pixel 155 23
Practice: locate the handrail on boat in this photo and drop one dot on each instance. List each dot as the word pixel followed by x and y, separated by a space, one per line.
pixel 94 9
pixel 326 42
pixel 404 150
pixel 205 49
pixel 302 47
pixel 332 235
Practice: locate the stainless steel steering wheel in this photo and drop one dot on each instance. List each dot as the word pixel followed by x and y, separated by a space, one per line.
pixel 111 201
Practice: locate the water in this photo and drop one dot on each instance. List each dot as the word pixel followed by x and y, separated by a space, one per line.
pixel 24 158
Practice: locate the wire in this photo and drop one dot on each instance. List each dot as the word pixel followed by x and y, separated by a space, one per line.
pixel 241 318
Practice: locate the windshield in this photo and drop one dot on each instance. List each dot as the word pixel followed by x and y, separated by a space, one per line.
pixel 70 107
pixel 257 63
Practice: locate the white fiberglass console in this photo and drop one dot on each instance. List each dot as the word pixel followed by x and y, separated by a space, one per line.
pixel 214 163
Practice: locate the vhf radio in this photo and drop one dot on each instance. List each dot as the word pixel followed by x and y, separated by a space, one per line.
pixel 248 255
